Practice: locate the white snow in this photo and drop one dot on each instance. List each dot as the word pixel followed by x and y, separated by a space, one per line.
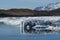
pixel 51 6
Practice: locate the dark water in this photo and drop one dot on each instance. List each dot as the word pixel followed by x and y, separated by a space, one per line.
pixel 42 37
pixel 9 37
pixel 9 32
pixel 31 37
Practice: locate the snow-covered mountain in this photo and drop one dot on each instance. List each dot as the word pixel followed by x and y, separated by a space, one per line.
pixel 51 6
pixel 39 8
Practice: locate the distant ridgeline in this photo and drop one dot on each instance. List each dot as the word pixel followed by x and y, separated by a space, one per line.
pixel 28 12
pixel 52 9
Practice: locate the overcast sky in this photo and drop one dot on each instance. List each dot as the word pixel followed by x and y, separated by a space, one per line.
pixel 31 4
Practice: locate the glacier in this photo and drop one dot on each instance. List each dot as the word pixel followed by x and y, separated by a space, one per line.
pixel 34 22
pixel 41 24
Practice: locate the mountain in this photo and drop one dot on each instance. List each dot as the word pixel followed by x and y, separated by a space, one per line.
pixel 28 12
pixel 39 8
pixel 15 12
pixel 51 6
pixel 52 9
